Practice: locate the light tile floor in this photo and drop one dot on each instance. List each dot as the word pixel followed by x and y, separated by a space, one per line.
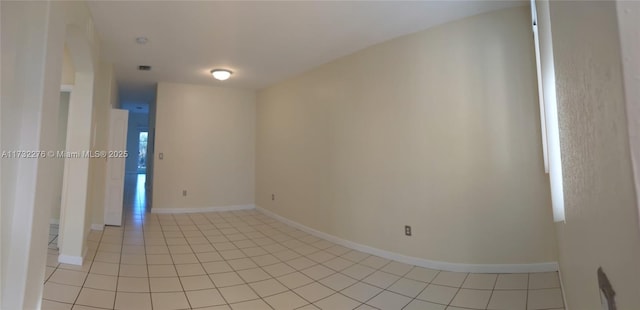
pixel 246 260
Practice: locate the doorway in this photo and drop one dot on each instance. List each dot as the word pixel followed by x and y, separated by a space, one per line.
pixel 137 163
pixel 142 152
pixel 61 145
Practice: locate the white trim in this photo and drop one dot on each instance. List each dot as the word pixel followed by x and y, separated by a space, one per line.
pixel 54 221
pixel 203 209
pixel 543 123
pixel 97 226
pixel 551 110
pixel 66 88
pixel 628 13
pixel 72 260
pixel 564 294
pixel 457 267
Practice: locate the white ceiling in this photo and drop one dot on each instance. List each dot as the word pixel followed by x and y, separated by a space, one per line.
pixel 262 42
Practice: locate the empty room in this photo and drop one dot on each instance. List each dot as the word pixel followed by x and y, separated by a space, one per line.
pixel 419 155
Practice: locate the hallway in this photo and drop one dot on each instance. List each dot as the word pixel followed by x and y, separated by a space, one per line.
pixel 247 260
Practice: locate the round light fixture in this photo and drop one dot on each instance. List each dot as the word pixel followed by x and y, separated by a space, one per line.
pixel 221 74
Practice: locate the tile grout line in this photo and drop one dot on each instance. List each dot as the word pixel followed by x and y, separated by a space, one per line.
pixel 458 291
pixel 119 263
pixel 429 283
pixel 176 268
pixel 213 282
pixel 172 261
pixel 146 261
pixel 248 284
pixel 201 266
pixel 526 305
pixel 318 263
pixel 273 277
pixel 88 272
pixel 495 283
pixel 315 281
pixel 295 271
pixel 383 289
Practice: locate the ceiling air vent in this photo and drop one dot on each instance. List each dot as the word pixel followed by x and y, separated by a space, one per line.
pixel 144 68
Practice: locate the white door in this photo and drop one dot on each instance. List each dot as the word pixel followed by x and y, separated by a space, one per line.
pixel 115 167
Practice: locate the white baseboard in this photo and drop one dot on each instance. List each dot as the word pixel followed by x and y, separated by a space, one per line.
pixel 97 226
pixel 54 221
pixel 66 88
pixel 456 267
pixel 72 260
pixel 203 209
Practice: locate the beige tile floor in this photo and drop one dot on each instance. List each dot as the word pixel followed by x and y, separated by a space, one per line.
pixel 246 260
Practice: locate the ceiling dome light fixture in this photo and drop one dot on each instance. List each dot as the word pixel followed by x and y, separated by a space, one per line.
pixel 221 74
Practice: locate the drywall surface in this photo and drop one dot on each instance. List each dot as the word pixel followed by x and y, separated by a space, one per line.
pixel 601 228
pixel 33 42
pixel 206 136
pixel 106 95
pixel 439 130
pixel 63 113
pixel 68 71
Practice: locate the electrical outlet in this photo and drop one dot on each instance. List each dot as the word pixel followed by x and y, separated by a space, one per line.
pixel 184 192
pixel 273 196
pixel 407 230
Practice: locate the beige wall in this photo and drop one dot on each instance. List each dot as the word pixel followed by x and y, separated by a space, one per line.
pixel 68 71
pixel 105 97
pixel 19 42
pixel 207 136
pixel 438 130
pixel 68 79
pixel 33 41
pixel 601 226
pixel 59 162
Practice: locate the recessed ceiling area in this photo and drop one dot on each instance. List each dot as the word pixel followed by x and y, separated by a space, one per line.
pixel 261 42
pixel 135 106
